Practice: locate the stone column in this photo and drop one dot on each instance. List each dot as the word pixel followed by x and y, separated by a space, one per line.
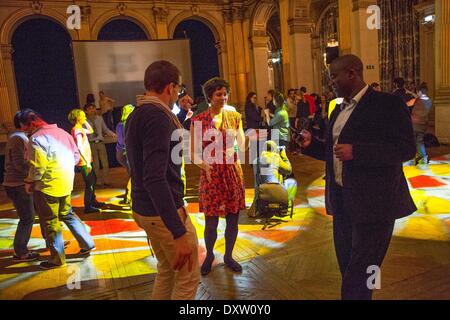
pixel 317 57
pixel 239 56
pixel 356 38
pixel 261 70
pixel 301 54
pixel 427 48
pixel 8 95
pixel 160 14
pixel 228 17
pixel 365 40
pixel 247 53
pixel 85 32
pixel 442 59
pixel 222 57
pixel 285 51
pixel 345 32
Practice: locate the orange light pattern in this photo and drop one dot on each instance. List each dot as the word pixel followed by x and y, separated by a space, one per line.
pixel 430 189
pixel 122 248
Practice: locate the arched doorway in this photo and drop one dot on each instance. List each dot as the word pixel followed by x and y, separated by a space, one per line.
pixel 116 30
pixel 266 51
pixel 327 27
pixel 205 63
pixel 276 54
pixel 122 29
pixel 44 70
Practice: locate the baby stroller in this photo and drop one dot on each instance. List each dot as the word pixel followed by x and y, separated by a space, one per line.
pixel 275 186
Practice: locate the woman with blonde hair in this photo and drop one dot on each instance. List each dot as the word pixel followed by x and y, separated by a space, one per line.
pixel 80 130
pixel 221 190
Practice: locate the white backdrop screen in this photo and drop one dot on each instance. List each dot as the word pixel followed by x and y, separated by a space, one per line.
pixel 118 67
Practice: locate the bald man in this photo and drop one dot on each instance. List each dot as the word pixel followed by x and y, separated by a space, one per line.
pixel 370 136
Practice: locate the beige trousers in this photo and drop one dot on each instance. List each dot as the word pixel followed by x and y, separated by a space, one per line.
pixel 170 284
pixel 100 155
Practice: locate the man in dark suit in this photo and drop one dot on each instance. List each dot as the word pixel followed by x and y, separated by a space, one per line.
pixel 369 136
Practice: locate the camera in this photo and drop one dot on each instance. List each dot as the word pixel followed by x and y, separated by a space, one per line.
pixel 281 149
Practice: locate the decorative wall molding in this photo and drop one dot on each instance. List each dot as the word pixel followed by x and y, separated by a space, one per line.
pixel 36 6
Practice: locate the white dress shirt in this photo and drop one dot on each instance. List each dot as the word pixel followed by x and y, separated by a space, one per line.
pixel 346 111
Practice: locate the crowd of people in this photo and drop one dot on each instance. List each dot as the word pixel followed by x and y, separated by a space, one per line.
pixel 364 138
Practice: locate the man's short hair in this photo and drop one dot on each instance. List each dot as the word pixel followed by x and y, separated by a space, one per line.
pixel 423 87
pixel 399 82
pixel 159 74
pixel 291 90
pixel 90 98
pixel 87 105
pixel 17 120
pixel 27 116
pixel 216 83
pixel 303 89
pixel 74 115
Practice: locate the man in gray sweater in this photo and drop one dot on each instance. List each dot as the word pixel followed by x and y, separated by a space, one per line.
pixel 16 170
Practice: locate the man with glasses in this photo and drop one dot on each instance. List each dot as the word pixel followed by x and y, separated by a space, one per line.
pixel 157 184
pixel 185 103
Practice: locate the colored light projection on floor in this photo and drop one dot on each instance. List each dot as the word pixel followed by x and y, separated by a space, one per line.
pixel 430 189
pixel 121 246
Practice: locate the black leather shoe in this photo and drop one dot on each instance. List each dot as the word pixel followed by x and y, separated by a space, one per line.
pixel 98 204
pixel 92 210
pixel 233 265
pixel 206 266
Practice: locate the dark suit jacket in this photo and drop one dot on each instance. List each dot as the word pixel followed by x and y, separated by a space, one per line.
pixel 375 188
pixel 253 116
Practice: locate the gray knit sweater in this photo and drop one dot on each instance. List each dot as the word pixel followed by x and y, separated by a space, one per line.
pixel 16 165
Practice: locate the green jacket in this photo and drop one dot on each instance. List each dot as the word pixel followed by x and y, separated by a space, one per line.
pixel 280 122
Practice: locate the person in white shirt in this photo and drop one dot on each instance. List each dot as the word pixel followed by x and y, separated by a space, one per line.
pixel 107 107
pixel 80 131
pixel 97 143
pixel 52 155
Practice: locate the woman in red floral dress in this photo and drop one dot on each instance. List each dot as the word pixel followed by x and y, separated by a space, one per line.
pixel 215 134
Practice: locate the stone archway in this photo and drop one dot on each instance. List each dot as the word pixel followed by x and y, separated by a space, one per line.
pixel 211 22
pixel 8 95
pixel 203 49
pixel 325 29
pixel 216 28
pixel 262 41
pixel 135 17
pixel 122 29
pixel 44 69
pixel 22 15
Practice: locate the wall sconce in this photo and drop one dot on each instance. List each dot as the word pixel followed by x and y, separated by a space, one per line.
pixel 428 19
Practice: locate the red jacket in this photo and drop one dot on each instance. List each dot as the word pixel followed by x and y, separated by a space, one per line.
pixel 312 104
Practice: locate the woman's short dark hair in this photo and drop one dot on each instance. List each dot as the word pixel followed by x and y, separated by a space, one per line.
pixel 17 120
pixel 90 98
pixel 159 74
pixel 214 84
pixel 249 96
pixel 27 116
pixel 278 99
